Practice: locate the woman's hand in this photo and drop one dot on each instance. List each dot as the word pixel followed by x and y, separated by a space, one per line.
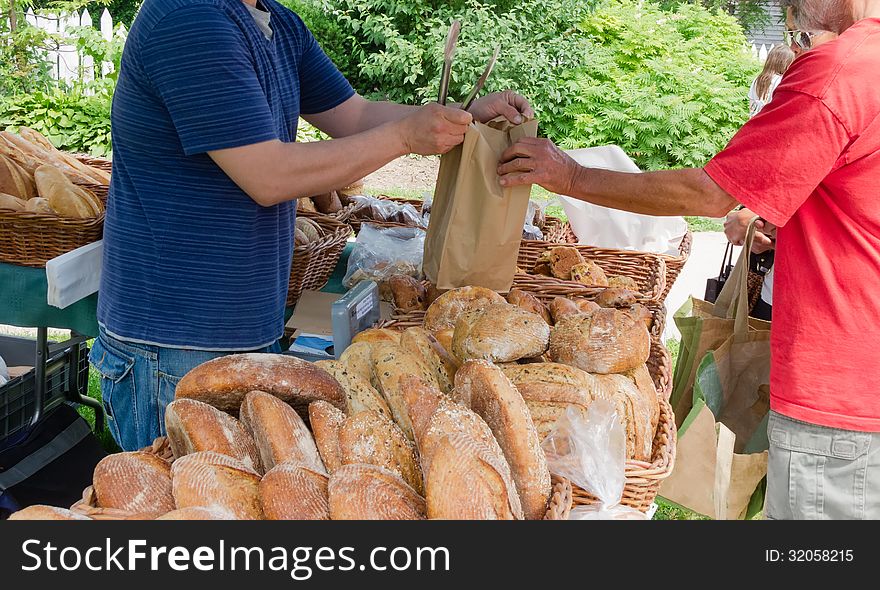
pixel 538 161
pixel 508 104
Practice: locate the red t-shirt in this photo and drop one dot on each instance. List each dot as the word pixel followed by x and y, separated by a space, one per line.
pixel 810 163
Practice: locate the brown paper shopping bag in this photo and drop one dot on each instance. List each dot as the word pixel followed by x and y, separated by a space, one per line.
pixel 476 225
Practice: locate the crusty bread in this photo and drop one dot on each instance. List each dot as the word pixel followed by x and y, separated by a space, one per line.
pixel 223 382
pixel 368 437
pixel 638 411
pixel 279 433
pixel 310 230
pixel 607 341
pixel 390 363
pixel 358 360
pixel 407 293
pixel 198 513
pixel 561 307
pixel 376 335
pixel 293 492
pixel 445 311
pixel 500 333
pixel 368 492
pixel 39 205
pixel 209 479
pixel 550 388
pixel 422 399
pixel 563 259
pixel 529 302
pixel 622 282
pixel 649 401
pixel 135 481
pixel 586 306
pixel 616 298
pixel 194 426
pixel 360 395
pixel 14 180
pixel 75 169
pixel 641 313
pixel 326 421
pixel 422 343
pixel 42 512
pixel 444 337
pixel 495 399
pixel 12 203
pixel 589 273
pixel 64 197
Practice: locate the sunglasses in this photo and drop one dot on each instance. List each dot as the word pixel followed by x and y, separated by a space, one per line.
pixel 803 39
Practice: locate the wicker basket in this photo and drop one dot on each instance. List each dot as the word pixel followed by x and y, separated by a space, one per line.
pixel 99 163
pixel 31 239
pixel 88 505
pixel 313 263
pixel 648 270
pixel 560 232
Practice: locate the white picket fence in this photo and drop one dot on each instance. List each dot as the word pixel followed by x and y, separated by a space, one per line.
pixel 67 63
pixel 760 52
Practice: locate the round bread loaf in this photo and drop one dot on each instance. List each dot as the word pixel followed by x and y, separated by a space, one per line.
pixel 607 341
pixel 294 492
pixel 444 312
pixel 561 307
pixel 198 513
pixel 209 479
pixel 500 333
pixel 135 481
pixel 529 302
pixel 368 492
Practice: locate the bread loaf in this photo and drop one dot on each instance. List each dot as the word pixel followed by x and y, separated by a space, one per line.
pixel 368 437
pixel 641 313
pixel 42 512
pixel 616 298
pixel 638 411
pixel 198 513
pixel 529 302
pixel 368 492
pixel 195 426
pixel 423 344
pixel 12 202
pixel 563 259
pixel 608 341
pixel 72 167
pixel 589 273
pixel 293 492
pixel 309 229
pixel 561 307
pixel 326 421
pixel 550 388
pixel 357 359
pixel 136 481
pixel 360 395
pixel 586 306
pixel 209 479
pixel 376 335
pixel 280 434
pixel 444 337
pixel 500 333
pixel 15 181
pixel 223 382
pixel 39 205
pixel 63 196
pixel 407 293
pixel 390 363
pixel 443 313
pixel 495 399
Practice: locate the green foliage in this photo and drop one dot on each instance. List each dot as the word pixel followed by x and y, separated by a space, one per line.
pixel 22 68
pixel 750 13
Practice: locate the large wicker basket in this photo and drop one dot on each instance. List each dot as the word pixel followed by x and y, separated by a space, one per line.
pixel 313 263
pixel 560 232
pixel 99 163
pixel 31 239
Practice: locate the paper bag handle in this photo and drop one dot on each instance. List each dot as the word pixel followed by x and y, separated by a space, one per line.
pixel 733 301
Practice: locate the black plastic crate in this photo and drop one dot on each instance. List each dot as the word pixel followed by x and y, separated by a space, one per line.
pixel 66 378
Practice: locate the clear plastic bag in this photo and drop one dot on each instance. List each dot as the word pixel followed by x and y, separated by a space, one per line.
pixel 383 251
pixel 588 447
pixel 385 210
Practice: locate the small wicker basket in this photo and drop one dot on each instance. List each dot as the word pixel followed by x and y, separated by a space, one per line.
pixel 313 263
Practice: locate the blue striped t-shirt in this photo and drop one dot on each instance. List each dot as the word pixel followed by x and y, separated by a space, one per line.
pixel 189 259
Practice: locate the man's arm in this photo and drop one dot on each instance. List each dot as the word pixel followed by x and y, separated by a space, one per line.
pixel 669 192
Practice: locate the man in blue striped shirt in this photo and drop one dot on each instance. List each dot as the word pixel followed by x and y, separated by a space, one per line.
pixel 198 235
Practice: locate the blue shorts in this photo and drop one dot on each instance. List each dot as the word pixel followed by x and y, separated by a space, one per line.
pixel 138 381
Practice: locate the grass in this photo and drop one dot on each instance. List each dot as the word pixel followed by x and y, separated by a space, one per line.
pixel 701 224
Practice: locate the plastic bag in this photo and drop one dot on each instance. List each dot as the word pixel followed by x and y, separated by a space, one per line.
pixel 385 210
pixel 588 447
pixel 380 252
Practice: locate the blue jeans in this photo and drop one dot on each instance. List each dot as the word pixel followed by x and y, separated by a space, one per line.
pixel 138 381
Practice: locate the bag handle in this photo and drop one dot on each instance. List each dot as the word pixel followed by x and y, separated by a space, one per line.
pixel 733 301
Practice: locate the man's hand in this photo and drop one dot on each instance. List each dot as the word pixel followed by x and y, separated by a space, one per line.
pixel 538 161
pixel 736 225
pixel 508 104
pixel 433 129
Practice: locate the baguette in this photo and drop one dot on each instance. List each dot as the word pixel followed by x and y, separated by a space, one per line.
pixel 15 181
pixel 64 197
pixel 12 203
pixel 38 139
pixel 279 433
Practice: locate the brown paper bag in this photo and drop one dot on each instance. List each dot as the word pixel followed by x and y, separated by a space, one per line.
pixel 476 225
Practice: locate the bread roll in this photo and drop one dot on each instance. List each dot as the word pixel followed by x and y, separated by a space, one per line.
pixel 39 205
pixel 293 492
pixel 368 492
pixel 41 512
pixel 495 399
pixel 390 363
pixel 641 313
pixel 223 382
pixel 561 307
pixel 443 313
pixel 135 481
pixel 616 298
pixel 198 513
pixel 306 204
pixel 500 333
pixel 280 434
pixel 371 438
pixel 360 395
pixel 622 282
pixel 375 335
pixel 608 341
pixel 357 358
pixel 529 302
pixel 194 426
pixel 422 343
pixel 12 203
pixel 326 421
pixel 210 480
pixel 563 259
pixel 15 181
pixel 299 237
pixel 407 293
pixel 589 273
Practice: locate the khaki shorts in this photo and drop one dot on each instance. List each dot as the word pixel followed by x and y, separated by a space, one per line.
pixel 817 473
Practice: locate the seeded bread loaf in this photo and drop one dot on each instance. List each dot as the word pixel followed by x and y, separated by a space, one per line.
pixel 501 333
pixel 607 341
pixel 360 395
pixel 390 363
pixel 326 421
pixel 443 313
pixel 423 344
pixel 529 302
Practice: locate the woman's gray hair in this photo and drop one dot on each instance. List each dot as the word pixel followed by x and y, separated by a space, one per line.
pixel 817 15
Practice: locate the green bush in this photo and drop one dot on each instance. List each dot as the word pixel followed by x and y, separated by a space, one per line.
pixel 669 86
